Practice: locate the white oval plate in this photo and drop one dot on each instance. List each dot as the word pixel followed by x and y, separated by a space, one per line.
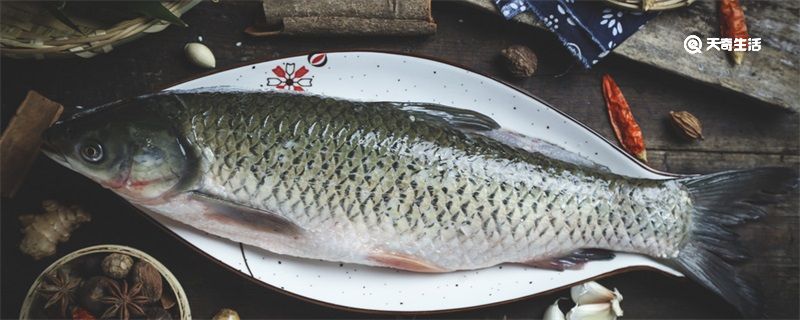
pixel 393 77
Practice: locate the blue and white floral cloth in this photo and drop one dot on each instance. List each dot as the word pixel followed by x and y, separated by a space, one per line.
pixel 589 29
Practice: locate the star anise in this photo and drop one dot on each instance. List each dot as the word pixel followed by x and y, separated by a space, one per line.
pixel 124 301
pixel 60 288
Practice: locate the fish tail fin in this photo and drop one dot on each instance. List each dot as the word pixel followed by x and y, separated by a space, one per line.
pixel 721 201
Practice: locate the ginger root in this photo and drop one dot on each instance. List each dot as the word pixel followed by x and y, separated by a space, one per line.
pixel 44 231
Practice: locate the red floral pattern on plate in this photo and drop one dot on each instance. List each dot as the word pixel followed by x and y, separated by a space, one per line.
pixel 289 78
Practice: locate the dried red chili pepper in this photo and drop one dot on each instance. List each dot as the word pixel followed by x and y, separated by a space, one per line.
pixel 625 127
pixel 732 25
pixel 81 314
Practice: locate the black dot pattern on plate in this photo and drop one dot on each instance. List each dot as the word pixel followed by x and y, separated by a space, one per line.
pixel 387 82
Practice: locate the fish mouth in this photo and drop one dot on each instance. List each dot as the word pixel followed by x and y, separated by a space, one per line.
pixel 52 151
pixel 118 183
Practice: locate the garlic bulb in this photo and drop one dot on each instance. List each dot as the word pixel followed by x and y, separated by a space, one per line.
pixel 553 312
pixel 200 55
pixel 595 311
pixel 593 292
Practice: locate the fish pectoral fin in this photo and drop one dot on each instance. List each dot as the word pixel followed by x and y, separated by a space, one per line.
pixel 228 212
pixel 572 261
pixel 404 262
pixel 460 118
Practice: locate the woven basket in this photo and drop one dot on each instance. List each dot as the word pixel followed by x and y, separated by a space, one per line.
pixel 32 299
pixel 28 30
pixel 650 5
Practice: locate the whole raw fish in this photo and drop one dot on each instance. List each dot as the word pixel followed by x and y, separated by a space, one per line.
pixel 419 187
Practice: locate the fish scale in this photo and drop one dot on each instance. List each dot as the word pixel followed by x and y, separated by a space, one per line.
pixel 366 179
pixel 412 186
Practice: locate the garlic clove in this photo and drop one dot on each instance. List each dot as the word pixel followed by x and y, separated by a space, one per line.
pixel 615 306
pixel 596 311
pixel 591 292
pixel 553 312
pixel 200 55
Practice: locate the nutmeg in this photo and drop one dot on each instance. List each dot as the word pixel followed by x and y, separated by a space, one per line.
pixel 520 61
pixel 152 284
pixel 117 265
pixel 226 314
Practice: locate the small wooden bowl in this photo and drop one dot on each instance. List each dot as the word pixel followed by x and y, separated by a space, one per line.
pixel 650 5
pixel 32 299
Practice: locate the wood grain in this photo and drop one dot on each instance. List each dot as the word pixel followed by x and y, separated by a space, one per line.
pixel 770 75
pixel 20 142
pixel 741 133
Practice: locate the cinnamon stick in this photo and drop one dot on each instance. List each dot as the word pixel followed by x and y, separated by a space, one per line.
pixel 351 17
pixel 20 142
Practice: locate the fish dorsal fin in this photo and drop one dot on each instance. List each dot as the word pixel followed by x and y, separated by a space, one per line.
pixel 474 123
pixel 547 149
pixel 229 212
pixel 459 118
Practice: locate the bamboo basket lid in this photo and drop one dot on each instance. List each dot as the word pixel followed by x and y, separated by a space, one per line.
pixel 650 5
pixel 181 301
pixel 28 30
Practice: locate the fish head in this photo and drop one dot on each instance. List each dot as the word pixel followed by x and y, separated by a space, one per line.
pixel 125 147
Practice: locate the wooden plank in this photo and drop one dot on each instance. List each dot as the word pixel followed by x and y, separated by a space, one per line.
pixel 20 142
pixel 770 75
pixel 742 133
pixel 683 161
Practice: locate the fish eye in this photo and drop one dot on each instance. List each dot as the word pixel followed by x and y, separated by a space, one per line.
pixel 92 152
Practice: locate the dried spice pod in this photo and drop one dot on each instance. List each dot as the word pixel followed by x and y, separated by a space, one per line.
pixel 92 291
pixel 90 265
pixel 157 313
pixel 625 126
pixel 117 265
pixel 520 61
pixel 124 301
pixel 167 301
pixel 226 314
pixel 687 124
pixel 732 25
pixel 59 289
pixel 152 284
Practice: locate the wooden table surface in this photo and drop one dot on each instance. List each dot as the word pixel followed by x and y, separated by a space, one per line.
pixel 740 133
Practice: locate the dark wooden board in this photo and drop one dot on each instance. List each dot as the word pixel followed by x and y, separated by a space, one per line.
pixel 771 75
pixel 741 133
